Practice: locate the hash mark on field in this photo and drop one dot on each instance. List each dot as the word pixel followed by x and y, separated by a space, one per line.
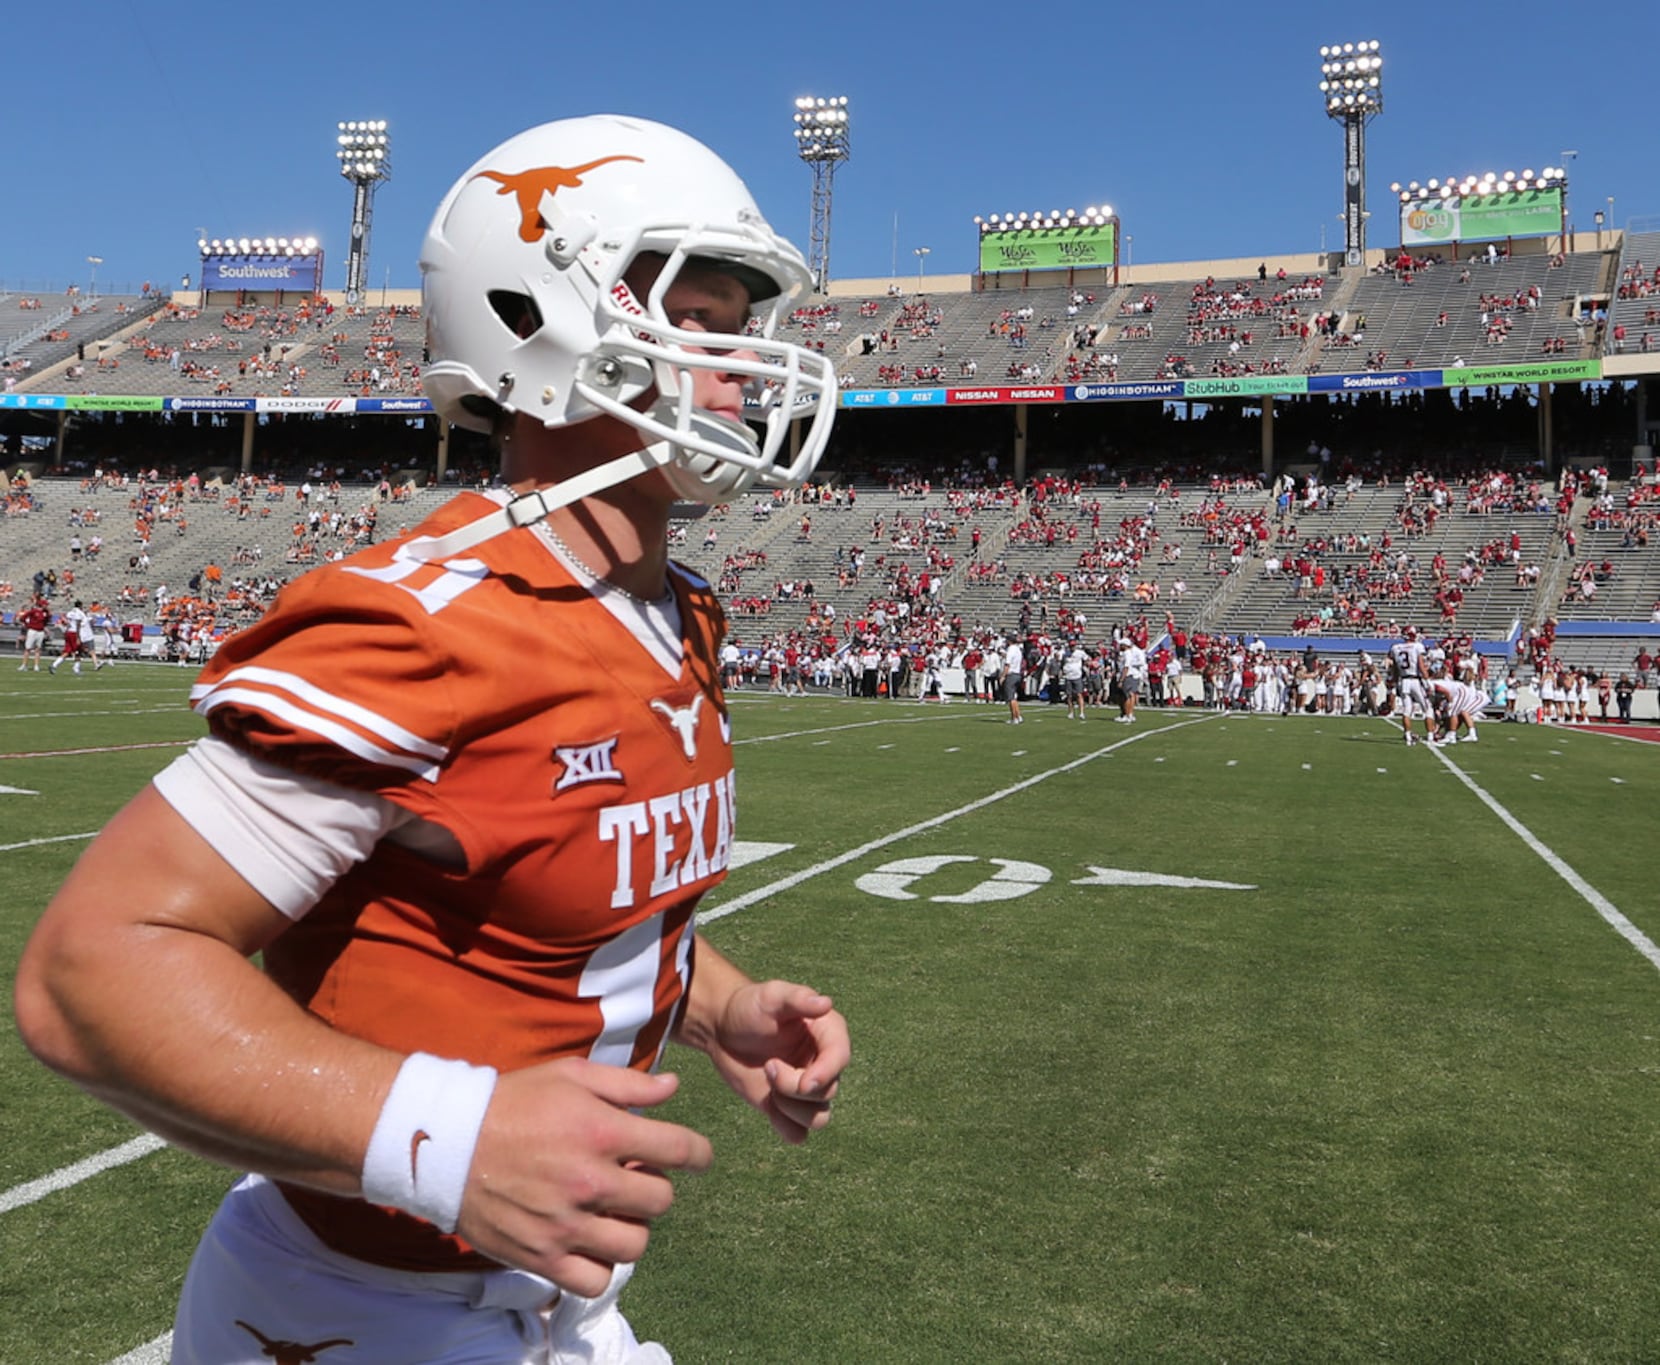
pixel 1536 777
pixel 820 743
pixel 1308 767
pixel 1618 780
pixel 955 749
pixel 1233 762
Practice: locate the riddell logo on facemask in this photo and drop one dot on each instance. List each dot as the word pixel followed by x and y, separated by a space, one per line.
pixel 529 187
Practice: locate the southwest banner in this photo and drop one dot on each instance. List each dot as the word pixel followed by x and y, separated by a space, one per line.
pixel 1481 217
pixel 1059 248
pixel 263 272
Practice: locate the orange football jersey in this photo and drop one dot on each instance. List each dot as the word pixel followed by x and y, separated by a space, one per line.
pixel 589 790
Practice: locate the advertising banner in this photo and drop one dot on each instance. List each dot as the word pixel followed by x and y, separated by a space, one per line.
pixel 1057 248
pixel 892 398
pixel 1373 381
pixel 211 404
pixel 410 405
pixel 1480 217
pixel 306 404
pixel 113 402
pixel 1024 393
pixel 1248 387
pixel 1094 393
pixel 263 272
pixel 48 401
pixel 1544 372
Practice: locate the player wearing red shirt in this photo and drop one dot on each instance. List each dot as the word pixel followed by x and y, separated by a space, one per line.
pixel 35 620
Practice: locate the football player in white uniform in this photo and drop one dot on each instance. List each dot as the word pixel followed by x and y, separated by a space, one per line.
pixel 1409 671
pixel 1457 705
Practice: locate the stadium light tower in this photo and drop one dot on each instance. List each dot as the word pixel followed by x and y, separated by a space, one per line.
pixel 821 140
pixel 365 157
pixel 1352 83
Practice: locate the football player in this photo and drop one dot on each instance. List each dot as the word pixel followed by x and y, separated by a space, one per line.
pixel 1457 705
pixel 1409 672
pixel 463 791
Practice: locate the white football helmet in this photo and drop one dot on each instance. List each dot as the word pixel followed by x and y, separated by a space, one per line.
pixel 527 310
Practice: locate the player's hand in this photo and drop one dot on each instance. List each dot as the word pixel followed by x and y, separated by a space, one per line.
pixel 783 1047
pixel 565 1180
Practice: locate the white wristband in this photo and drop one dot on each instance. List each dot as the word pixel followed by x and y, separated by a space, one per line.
pixel 422 1147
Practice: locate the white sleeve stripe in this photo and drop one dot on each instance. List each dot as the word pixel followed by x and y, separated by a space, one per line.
pixel 281 709
pixel 317 699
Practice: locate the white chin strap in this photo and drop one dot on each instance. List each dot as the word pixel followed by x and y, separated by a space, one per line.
pixel 529 508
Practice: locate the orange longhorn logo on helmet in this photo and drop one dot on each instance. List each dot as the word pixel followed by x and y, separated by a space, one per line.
pixel 529 187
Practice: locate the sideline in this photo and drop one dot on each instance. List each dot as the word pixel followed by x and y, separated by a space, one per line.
pixel 1588 893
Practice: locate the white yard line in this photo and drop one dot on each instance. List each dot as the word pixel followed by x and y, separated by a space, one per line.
pixel 54 839
pixel 852 725
pixel 157 1352
pixel 104 749
pixel 1588 893
pixel 19 1196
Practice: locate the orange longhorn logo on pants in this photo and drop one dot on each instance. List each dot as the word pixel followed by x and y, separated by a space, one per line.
pixel 291 1352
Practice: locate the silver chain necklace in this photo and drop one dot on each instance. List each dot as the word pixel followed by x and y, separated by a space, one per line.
pixel 588 569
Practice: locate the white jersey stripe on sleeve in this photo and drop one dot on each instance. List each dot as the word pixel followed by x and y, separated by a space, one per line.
pixel 282 709
pixel 317 699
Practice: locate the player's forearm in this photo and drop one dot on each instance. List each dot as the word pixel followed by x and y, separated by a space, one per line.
pixel 137 985
pixel 195 1043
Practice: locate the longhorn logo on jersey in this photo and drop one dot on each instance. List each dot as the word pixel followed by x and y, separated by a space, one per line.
pixel 528 187
pixel 586 763
pixel 682 720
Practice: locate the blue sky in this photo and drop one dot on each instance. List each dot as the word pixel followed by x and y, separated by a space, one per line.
pixel 133 125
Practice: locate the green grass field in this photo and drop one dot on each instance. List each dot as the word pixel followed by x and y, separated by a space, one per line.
pixel 1391 1096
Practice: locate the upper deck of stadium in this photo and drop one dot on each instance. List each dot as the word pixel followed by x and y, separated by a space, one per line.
pixel 1515 311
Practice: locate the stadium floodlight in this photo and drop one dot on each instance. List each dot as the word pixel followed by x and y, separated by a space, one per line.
pixel 254 246
pixel 821 140
pixel 92 283
pixel 921 253
pixel 364 152
pixel 1351 80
